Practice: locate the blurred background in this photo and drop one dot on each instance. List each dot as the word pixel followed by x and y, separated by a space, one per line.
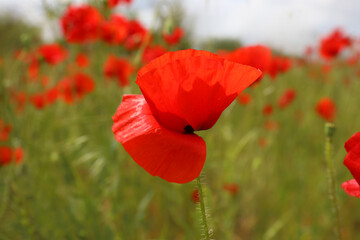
pixel 65 65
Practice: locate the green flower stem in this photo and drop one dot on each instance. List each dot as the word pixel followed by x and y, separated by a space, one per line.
pixel 329 131
pixel 202 209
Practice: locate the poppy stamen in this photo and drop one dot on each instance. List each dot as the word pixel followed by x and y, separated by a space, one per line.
pixel 188 129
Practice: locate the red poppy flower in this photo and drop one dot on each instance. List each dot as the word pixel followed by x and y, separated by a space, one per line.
pixel 75 88
pixel 287 98
pixel 271 125
pixel 175 37
pixel 279 65
pixel 33 68
pixel 256 56
pixel 326 109
pixel 232 188
pixel 195 196
pixel 152 52
pixel 184 91
pixel 53 53
pixel 7 154
pixel 136 35
pixel 267 110
pixel 38 100
pixel 244 98
pixel 333 44
pixel 118 68
pixel 82 84
pixel 51 95
pixel 82 60
pixel 114 3
pixel 263 142
pixel 5 130
pixel 352 162
pixel 18 155
pixel 115 30
pixel 81 24
pixel 20 99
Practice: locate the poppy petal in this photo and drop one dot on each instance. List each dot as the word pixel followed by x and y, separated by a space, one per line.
pixel 351 187
pixel 352 162
pixel 173 156
pixel 178 87
pixel 352 142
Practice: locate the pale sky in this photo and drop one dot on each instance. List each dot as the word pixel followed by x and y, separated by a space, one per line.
pixel 288 25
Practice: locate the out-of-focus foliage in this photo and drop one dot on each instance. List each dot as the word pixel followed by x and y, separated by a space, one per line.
pixel 15 34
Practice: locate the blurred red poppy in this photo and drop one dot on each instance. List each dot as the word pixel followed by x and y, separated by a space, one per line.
pixel 287 98
pixel 333 44
pixel 20 99
pixel 271 125
pixel 81 24
pixel 152 52
pixel 174 37
pixel 244 98
pixel 38 100
pixel 195 196
pixel 8 154
pixel 352 162
pixel 232 188
pixel 118 68
pixel 5 130
pixel 115 30
pixel 326 109
pixel 82 60
pixel 114 3
pixel 53 53
pixel 268 110
pixel 184 91
pixel 74 88
pixel 136 35
pixel 279 65
pixel 256 56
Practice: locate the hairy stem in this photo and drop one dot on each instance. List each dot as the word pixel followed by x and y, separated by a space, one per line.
pixel 202 209
pixel 329 131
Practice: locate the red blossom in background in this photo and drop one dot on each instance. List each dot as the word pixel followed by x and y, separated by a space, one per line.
pixel 268 110
pixel 53 53
pixel 5 130
pixel 195 196
pixel 8 154
pixel 82 60
pixel 183 92
pixel 136 35
pixel 81 24
pixel 114 31
pixel 174 37
pixel 118 68
pixel 114 3
pixel 38 100
pixel 333 44
pixel 326 109
pixel 279 65
pixel 232 188
pixel 20 99
pixel 256 56
pixel 352 162
pixel 287 98
pixel 244 98
pixel 75 88
pixel 152 52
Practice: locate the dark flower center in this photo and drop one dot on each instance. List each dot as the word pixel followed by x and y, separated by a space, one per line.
pixel 188 129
